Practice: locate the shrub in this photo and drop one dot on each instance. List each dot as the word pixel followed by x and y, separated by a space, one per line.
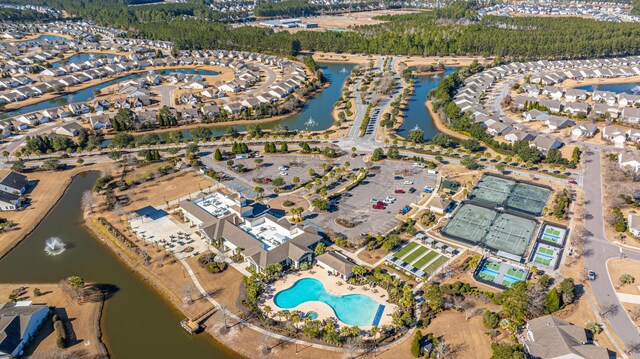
pixel 61 333
pixel 416 348
pixel 490 319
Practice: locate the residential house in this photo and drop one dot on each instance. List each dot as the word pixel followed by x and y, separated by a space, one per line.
pixel 576 108
pixel 631 115
pixel 440 205
pixel 72 129
pixel 100 122
pixel 517 135
pixel 546 143
pixel 584 130
pixel 535 115
pixel 629 160
pixel 19 323
pixel 551 337
pixel 574 95
pixel 558 122
pixel 633 222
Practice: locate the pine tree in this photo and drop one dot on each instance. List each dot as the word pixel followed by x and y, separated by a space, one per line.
pixel 552 301
pixel 217 155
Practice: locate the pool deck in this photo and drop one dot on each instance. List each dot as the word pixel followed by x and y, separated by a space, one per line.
pixel 331 286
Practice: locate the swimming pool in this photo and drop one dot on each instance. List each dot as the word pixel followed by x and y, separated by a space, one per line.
pixel 351 309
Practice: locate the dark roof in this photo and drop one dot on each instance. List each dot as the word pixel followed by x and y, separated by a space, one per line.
pixel 14 320
pixel 8 197
pixel 554 337
pixel 15 180
pixel 338 262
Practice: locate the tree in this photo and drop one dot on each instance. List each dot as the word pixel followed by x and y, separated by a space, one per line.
pixel 88 201
pixel 320 249
pixel 552 301
pixel 217 155
pixel 469 163
pixel 278 182
pixel 18 165
pixel 626 278
pixel 506 351
pixel 592 326
pixel 416 344
pixel 416 135
pixel 259 191
pixel 5 154
pixel 443 140
pixel 567 288
pixel 377 155
pixel 490 319
pixel 472 145
pixel 75 281
pixel 360 271
pixel 500 167
pixel 50 164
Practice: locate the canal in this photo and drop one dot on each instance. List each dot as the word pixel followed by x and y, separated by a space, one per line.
pixel 631 88
pixel 417 114
pixel 137 322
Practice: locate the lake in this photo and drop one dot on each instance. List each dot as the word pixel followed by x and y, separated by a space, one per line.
pixel 137 322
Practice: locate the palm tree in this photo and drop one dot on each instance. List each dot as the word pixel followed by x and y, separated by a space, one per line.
pixel 267 310
pixel 374 331
pixel 259 191
pixel 626 278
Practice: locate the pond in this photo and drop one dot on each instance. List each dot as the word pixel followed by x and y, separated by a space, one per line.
pixel 417 114
pixel 631 88
pixel 137 322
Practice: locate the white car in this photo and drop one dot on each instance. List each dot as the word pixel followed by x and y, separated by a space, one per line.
pixel 390 198
pixel 408 182
pixel 418 165
pixel 283 168
pixel 284 173
pixel 373 200
pixel 387 201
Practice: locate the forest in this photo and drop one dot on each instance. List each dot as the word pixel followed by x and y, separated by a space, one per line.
pixel 429 33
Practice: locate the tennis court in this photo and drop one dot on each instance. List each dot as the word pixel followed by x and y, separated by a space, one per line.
pixel 470 223
pixel 553 235
pixel 406 249
pixel 502 275
pixel 546 256
pixel 528 198
pixel 510 234
pixel 439 262
pixel 414 255
pixel 492 190
pixel 425 259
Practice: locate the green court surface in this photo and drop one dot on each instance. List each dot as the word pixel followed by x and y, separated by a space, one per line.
pixel 486 276
pixel 435 265
pixel 415 254
pixel 543 261
pixel 493 266
pixel 515 273
pixel 546 251
pixel 404 250
pixel 425 259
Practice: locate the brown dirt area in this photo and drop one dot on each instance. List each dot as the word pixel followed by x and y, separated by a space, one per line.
pixel 344 21
pixel 298 200
pixel 50 186
pixel 467 337
pixel 84 320
pixel 619 266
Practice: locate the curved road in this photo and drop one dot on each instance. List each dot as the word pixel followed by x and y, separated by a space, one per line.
pixel 600 250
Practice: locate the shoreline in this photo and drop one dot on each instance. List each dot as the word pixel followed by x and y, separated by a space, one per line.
pixel 437 121
pixel 65 187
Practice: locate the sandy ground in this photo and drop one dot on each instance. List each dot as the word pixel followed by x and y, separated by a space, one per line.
pixel 454 61
pixel 44 194
pixel 344 21
pixel 84 319
pixel 35 36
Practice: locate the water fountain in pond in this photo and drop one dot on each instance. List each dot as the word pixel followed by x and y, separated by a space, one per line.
pixel 343 71
pixel 436 76
pixel 311 122
pixel 635 89
pixel 54 246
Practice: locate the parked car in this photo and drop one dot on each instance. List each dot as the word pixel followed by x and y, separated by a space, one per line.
pixel 391 198
pixel 592 275
pixel 412 190
pixel 379 205
pixel 408 182
pixel 267 180
pixel 404 210
pixel 398 178
pixel 399 191
pixel 373 200
pixel 284 173
pixel 283 168
pixel 427 190
pixel 573 182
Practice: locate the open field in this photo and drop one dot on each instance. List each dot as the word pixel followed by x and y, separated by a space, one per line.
pixel 466 337
pixel 619 266
pixel 83 319
pixel 48 188
pixel 344 21
pixel 571 83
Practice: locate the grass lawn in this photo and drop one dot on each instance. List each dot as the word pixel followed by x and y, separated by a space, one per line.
pixel 435 265
pixel 425 259
pixel 404 250
pixel 139 174
pixel 415 254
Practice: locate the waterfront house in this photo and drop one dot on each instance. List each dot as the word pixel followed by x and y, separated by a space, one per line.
pixel 634 224
pixel 19 323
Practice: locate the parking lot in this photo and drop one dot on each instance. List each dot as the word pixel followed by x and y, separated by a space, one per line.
pixel 357 205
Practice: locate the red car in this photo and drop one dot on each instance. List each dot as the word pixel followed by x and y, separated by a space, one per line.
pixel 379 205
pixel 399 191
pixel 267 180
pixel 573 182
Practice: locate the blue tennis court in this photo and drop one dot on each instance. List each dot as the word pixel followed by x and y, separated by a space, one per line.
pixel 378 316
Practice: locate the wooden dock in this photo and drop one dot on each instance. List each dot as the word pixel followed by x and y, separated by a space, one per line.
pixel 192 325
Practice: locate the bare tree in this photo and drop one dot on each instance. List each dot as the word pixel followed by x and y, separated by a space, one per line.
pixel 633 347
pixel 611 308
pixel 187 294
pixel 88 200
pixel 537 300
pixel 351 346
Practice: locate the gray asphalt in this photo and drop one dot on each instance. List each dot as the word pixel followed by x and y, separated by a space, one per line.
pixel 602 250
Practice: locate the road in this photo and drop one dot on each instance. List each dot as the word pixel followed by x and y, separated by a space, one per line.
pixel 166 94
pixel 598 250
